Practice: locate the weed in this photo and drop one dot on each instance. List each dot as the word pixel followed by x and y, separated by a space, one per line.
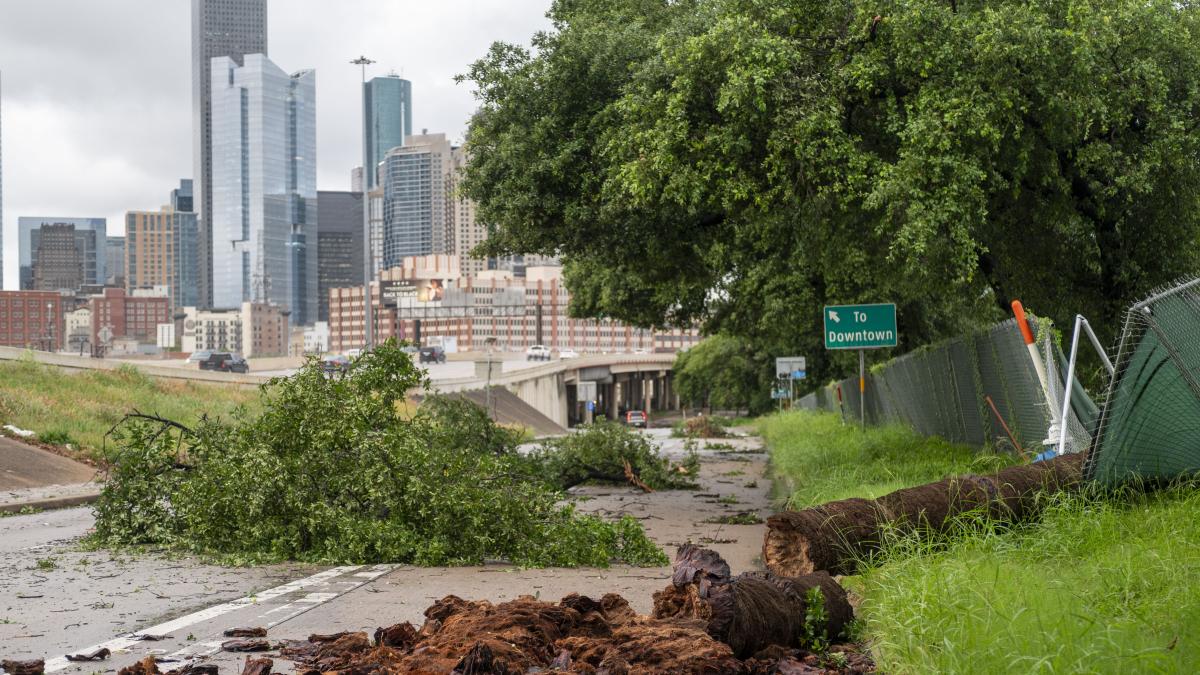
pixel 728 499
pixel 751 485
pixel 813 635
pixel 47 564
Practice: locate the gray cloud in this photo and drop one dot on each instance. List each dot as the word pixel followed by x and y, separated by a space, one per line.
pixel 97 95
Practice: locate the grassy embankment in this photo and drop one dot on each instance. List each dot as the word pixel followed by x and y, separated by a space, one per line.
pixel 77 408
pixel 1097 585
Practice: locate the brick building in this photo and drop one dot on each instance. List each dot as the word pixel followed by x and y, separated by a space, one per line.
pixel 127 316
pixel 32 319
pixel 430 296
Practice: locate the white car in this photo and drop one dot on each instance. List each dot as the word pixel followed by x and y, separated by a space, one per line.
pixel 568 354
pixel 537 353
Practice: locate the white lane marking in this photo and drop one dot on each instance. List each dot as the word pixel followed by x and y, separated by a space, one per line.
pixel 125 642
pixel 318 598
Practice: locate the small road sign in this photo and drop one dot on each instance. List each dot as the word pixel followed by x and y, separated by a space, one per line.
pixel 860 326
pixel 789 366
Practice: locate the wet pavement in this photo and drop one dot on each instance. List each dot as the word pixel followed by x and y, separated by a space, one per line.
pixel 88 600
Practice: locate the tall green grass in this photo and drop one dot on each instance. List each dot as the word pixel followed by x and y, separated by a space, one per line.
pixel 817 459
pixel 77 408
pixel 1098 585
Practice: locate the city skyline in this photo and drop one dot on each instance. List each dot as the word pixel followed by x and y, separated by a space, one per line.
pixel 125 121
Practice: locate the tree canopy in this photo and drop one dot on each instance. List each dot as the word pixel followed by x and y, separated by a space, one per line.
pixel 742 162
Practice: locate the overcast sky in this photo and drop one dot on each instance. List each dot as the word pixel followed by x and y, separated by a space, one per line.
pixel 97 94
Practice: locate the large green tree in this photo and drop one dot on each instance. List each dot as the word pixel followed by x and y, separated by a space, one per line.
pixel 742 162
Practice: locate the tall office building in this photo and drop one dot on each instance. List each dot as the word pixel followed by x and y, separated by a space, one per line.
pixel 264 186
pixel 418 211
pixel 339 245
pixel 468 231
pixel 220 28
pixel 161 249
pixel 52 249
pixel 387 103
pixel 1 181
pixel 181 197
pixel 114 261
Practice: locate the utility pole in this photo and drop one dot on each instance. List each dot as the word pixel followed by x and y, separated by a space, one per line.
pixel 368 321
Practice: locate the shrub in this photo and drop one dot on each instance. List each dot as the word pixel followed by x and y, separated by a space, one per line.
pixel 333 470
pixel 598 453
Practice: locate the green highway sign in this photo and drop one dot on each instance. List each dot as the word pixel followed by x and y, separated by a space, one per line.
pixel 860 326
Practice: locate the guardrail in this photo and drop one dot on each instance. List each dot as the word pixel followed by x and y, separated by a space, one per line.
pixel 85 363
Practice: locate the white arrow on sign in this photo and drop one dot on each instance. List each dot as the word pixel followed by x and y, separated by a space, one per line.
pixel 834 317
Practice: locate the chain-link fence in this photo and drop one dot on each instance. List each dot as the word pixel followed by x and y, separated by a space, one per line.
pixel 1150 427
pixel 980 389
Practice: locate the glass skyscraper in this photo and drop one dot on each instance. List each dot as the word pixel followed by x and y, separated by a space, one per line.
pixel 264 186
pixel 418 215
pixel 387 102
pixel 231 28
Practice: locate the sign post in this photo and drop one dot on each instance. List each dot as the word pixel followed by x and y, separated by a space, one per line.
pixel 860 327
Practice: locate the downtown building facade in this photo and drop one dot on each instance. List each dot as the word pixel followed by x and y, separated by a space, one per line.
pixel 387 104
pixel 264 197
pixel 253 329
pixel 114 261
pixel 418 205
pixel 339 244
pixel 61 254
pixel 32 319
pixel 220 28
pixel 162 250
pixel 430 300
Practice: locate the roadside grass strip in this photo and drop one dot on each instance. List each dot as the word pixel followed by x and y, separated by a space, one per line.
pixel 1101 583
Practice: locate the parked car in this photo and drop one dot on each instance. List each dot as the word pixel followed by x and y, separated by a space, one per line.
pixel 636 418
pixel 433 355
pixel 197 357
pixel 225 362
pixel 568 354
pixel 537 353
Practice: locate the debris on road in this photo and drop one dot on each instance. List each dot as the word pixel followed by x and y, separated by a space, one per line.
pixel 246 632
pixel 98 655
pixel 260 666
pixel 147 637
pixel 706 621
pixel 245 646
pixel 754 610
pixel 34 667
pixel 835 536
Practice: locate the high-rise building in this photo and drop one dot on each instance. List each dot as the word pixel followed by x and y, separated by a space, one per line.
pixel 418 212
pixel 55 253
pixel 387 102
pixel 264 186
pixel 220 28
pixel 1 181
pixel 181 197
pixel 468 231
pixel 161 249
pixel 339 244
pixel 114 261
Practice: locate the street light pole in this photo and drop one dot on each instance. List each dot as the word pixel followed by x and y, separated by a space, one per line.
pixel 368 321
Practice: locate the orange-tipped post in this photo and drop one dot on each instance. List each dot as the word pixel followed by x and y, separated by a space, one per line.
pixel 1022 322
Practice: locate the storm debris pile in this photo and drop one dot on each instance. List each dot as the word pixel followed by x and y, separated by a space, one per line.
pixel 835 536
pixel 705 622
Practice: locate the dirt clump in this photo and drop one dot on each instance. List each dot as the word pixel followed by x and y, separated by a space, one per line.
pixel 706 621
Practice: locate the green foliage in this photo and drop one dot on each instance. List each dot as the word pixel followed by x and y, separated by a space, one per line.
pixel 599 452
pixel 743 162
pixel 817 458
pixel 1098 584
pixel 722 373
pixel 334 470
pixel 79 407
pixel 813 635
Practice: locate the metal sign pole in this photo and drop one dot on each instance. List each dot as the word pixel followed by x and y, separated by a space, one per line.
pixel 862 386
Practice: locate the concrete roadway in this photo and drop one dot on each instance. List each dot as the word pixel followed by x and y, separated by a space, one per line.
pixel 56 599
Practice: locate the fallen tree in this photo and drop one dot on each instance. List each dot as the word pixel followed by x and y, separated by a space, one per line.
pixel 754 610
pixel 343 470
pixel 837 535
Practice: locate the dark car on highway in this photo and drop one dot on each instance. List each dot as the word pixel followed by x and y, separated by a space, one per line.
pixel 433 355
pixel 225 362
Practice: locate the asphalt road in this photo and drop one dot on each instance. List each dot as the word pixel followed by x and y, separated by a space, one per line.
pixel 56 599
